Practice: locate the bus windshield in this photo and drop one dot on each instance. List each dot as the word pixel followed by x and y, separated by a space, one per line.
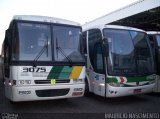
pixel 66 43
pixel 32 38
pixel 129 53
pixel 36 42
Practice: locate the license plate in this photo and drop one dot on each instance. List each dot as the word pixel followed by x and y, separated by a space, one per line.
pixel 135 91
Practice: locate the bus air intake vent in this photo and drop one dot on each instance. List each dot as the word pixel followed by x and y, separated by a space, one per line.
pixel 52 92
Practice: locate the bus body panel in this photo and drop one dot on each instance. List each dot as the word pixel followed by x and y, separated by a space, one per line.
pixel 157 85
pixel 154 37
pixel 97 83
pixel 130 86
pixel 23 86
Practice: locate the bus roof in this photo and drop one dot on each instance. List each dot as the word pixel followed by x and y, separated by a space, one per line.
pixel 153 32
pixel 112 27
pixel 44 19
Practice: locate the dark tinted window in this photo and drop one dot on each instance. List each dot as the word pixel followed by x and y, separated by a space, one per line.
pixel 93 37
pixel 129 52
pixel 83 42
pixel 98 60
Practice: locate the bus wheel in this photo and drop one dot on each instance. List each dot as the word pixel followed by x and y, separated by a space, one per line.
pixel 86 93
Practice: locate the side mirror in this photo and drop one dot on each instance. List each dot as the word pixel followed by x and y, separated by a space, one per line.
pixel 105 47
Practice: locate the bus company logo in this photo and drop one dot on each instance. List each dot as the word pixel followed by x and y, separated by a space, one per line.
pixel 34 69
pixel 24 92
pixel 9 116
pixel 132 115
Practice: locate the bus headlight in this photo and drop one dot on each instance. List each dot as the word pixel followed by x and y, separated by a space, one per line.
pixel 27 81
pixel 78 80
pixel 116 84
pixel 153 81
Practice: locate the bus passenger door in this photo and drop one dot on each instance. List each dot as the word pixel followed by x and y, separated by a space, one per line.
pixel 99 72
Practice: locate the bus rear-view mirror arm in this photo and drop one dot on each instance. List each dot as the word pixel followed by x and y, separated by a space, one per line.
pixel 105 48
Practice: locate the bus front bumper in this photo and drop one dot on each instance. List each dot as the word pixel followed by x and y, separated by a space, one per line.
pixel 125 91
pixel 30 93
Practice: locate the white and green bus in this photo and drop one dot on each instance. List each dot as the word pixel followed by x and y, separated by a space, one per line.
pixel 119 61
pixel 42 59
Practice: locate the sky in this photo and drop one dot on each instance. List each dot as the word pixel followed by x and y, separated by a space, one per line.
pixel 80 11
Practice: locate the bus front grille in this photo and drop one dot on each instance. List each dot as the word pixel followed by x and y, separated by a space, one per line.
pixel 52 92
pixel 49 81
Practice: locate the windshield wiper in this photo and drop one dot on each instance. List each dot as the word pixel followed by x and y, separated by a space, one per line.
pixel 41 52
pixel 45 47
pixel 63 53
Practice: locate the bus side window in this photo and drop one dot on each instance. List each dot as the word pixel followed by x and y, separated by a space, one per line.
pixel 83 43
pixel 98 59
pixel 6 59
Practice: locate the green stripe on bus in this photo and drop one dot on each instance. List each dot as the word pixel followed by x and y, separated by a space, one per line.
pixel 136 79
pixel 55 72
pixel 130 79
pixel 60 72
pixel 110 80
pixel 65 73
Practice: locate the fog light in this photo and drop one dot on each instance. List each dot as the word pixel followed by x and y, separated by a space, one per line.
pixel 101 84
pixel 77 93
pixel 78 80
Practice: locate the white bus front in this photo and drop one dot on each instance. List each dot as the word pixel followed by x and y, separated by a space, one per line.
pixel 43 61
pixel 119 61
